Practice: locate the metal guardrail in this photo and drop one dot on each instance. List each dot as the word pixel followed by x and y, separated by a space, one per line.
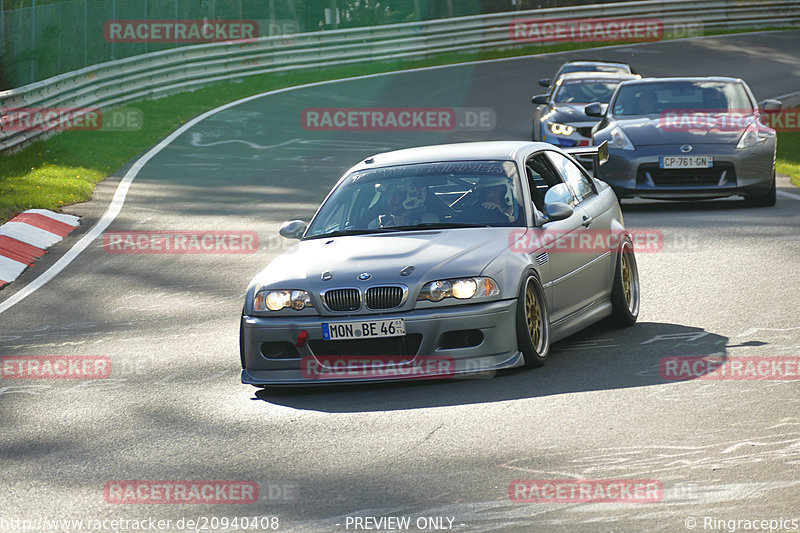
pixel 107 85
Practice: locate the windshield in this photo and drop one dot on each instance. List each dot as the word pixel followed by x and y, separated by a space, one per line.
pixel 420 196
pixel 585 91
pixel 706 96
pixel 593 68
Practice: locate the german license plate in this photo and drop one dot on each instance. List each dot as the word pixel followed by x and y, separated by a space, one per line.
pixel 685 161
pixel 368 329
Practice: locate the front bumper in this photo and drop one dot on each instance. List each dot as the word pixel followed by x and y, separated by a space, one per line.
pixel 496 322
pixel 743 172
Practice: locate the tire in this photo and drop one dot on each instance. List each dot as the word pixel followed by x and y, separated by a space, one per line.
pixel 766 200
pixel 533 324
pixel 625 293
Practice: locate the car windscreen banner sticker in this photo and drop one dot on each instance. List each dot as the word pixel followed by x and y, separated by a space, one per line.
pixel 489 168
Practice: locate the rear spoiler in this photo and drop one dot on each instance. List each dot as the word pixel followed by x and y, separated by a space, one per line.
pixel 591 157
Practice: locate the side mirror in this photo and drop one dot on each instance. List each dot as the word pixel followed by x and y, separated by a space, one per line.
pixel 540 99
pixel 557 211
pixel 545 82
pixel 770 106
pixel 558 194
pixel 293 229
pixel 595 109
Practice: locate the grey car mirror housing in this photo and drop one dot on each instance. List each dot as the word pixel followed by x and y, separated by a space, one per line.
pixel 540 99
pixel 595 109
pixel 293 229
pixel 557 211
pixel 770 105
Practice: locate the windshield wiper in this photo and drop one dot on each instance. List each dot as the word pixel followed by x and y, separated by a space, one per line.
pixel 441 225
pixel 344 232
pixel 394 229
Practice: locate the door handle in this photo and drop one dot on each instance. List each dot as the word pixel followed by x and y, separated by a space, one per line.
pixel 587 221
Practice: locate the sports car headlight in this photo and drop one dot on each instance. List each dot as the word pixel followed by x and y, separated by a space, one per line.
pixel 459 288
pixel 619 140
pixel 281 299
pixel 751 137
pixel 561 129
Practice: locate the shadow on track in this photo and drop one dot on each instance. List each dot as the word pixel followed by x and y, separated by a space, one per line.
pixel 595 359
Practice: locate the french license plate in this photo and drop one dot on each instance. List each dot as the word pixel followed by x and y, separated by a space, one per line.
pixel 368 329
pixel 685 161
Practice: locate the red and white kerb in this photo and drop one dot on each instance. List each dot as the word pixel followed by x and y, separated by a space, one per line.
pixel 24 239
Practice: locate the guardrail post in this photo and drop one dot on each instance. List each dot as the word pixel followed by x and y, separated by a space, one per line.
pixel 2 26
pixel 144 17
pixel 113 17
pixel 33 40
pixel 85 33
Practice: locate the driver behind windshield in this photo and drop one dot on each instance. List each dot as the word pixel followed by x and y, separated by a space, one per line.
pixel 496 200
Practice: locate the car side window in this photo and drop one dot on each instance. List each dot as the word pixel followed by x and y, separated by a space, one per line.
pixel 543 179
pixel 572 174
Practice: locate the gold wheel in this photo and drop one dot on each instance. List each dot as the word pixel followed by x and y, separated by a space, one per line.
pixel 533 317
pixel 626 279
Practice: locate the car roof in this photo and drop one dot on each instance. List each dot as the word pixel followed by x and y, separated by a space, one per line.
pixel 723 79
pixel 595 75
pixel 595 62
pixel 468 151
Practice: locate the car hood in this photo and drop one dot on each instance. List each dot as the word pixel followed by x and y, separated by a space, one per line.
pixel 566 113
pixel 655 130
pixel 434 254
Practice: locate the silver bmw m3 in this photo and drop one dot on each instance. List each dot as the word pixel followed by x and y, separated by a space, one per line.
pixel 442 261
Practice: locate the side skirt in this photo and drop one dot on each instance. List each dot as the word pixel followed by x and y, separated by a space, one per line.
pixel 580 319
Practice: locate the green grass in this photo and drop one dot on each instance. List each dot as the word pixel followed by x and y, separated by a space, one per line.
pixel 64 169
pixel 789 155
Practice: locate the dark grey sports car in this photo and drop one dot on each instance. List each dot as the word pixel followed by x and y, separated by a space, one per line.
pixel 687 138
pixel 440 261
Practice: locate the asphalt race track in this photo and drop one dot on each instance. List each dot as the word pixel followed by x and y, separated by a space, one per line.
pixel 173 408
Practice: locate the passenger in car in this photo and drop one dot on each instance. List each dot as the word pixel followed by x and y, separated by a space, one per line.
pixel 405 207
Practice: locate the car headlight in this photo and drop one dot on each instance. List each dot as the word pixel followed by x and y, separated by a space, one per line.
pixel 276 300
pixel 619 140
pixel 561 129
pixel 459 288
pixel 751 137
